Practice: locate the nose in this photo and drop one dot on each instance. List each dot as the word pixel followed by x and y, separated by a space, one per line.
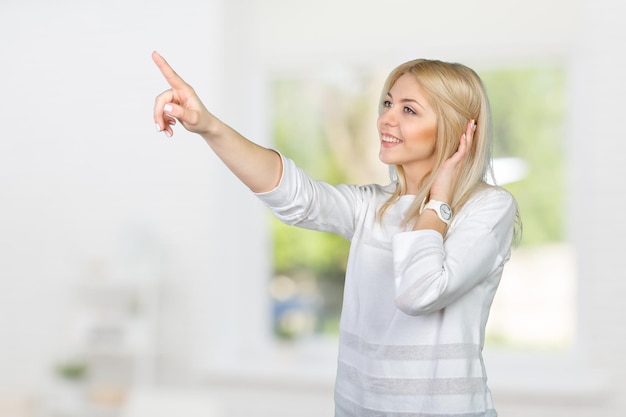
pixel 387 117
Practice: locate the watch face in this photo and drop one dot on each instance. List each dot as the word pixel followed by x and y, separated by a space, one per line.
pixel 446 211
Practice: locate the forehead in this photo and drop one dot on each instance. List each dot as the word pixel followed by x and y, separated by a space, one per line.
pixel 406 87
pixel 407 84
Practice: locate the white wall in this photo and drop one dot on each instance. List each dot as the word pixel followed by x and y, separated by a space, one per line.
pixel 597 182
pixel 83 175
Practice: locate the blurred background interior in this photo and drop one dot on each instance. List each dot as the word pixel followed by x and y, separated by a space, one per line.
pixel 138 278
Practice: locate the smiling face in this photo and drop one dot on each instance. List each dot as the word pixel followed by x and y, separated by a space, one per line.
pixel 407 126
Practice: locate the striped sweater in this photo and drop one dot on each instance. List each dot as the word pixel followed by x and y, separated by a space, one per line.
pixel 415 304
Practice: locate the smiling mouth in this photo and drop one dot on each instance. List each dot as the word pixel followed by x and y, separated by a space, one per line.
pixel 390 139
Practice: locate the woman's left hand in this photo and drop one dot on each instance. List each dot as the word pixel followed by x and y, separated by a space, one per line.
pixel 449 174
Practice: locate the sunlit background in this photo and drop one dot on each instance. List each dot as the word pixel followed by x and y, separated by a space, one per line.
pixel 138 278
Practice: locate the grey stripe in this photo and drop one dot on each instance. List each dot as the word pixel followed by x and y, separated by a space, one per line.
pixel 410 386
pixel 346 408
pixel 410 352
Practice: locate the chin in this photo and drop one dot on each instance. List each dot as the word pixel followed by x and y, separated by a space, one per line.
pixel 386 160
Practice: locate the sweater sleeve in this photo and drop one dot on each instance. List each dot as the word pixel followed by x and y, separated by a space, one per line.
pixel 431 273
pixel 301 201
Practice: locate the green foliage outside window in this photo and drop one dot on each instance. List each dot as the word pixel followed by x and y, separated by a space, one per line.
pixel 527 109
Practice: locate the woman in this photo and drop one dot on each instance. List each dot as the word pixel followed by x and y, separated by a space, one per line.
pixel 427 250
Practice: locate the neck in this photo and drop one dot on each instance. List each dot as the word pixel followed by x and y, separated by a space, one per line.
pixel 414 177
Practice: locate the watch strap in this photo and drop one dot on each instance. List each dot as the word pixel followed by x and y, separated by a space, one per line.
pixel 443 210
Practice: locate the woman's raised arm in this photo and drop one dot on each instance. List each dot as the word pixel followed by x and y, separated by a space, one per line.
pixel 257 167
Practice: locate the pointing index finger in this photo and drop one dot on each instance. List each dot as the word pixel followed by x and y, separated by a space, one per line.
pixel 173 79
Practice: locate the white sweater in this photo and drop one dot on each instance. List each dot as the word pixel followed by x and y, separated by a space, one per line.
pixel 415 304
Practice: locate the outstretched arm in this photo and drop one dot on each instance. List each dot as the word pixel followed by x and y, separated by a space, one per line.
pixel 257 167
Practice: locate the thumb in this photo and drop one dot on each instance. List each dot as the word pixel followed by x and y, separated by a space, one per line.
pixel 187 117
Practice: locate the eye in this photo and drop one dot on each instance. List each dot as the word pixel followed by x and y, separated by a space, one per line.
pixel 387 103
pixel 409 110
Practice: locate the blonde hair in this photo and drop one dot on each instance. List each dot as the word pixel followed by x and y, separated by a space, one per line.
pixel 457 96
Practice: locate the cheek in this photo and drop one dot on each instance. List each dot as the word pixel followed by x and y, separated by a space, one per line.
pixel 426 137
pixel 433 136
pixel 430 134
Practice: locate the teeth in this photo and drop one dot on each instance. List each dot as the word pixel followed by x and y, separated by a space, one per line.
pixel 390 139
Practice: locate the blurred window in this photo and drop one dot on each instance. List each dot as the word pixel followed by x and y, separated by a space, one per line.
pixel 327 125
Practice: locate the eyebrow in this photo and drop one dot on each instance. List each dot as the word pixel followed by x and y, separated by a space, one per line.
pixel 407 100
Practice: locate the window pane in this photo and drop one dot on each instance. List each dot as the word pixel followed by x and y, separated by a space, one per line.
pixel 534 306
pixel 328 127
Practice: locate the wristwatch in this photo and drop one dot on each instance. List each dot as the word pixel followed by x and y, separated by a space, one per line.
pixel 443 210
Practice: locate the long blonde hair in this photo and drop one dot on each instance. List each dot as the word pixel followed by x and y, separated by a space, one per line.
pixel 457 95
